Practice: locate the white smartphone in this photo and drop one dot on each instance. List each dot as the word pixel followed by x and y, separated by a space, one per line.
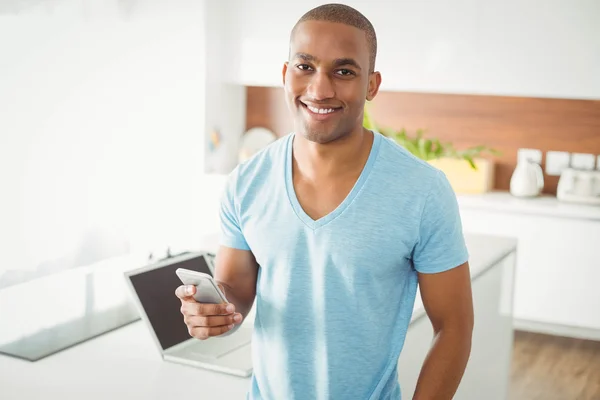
pixel 207 290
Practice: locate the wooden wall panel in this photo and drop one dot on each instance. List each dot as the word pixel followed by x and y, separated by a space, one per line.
pixel 505 123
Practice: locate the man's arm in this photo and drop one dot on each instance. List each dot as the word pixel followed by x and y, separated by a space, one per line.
pixel 237 271
pixel 448 302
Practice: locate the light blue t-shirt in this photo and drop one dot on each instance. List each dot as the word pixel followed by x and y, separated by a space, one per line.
pixel 335 296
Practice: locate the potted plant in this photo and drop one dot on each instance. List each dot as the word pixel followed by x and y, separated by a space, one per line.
pixel 467 170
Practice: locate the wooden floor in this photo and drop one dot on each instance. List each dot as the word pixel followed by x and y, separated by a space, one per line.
pixel 554 368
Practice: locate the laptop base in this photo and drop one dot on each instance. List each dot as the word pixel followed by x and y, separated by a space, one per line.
pixel 231 355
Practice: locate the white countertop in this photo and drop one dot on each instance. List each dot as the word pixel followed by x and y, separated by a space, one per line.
pixel 542 205
pixel 126 364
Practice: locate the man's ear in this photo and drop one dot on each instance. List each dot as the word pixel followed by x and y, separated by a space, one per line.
pixel 285 67
pixel 374 83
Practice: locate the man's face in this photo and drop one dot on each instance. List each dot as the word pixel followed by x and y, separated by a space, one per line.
pixel 327 80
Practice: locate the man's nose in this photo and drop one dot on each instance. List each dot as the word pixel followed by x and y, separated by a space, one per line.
pixel 321 86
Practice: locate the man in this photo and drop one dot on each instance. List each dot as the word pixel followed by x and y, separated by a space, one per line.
pixel 330 229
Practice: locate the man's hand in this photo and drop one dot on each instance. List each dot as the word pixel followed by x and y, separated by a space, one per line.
pixel 206 320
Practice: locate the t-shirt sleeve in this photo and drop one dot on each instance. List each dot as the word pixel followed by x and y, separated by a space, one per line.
pixel 231 231
pixel 440 245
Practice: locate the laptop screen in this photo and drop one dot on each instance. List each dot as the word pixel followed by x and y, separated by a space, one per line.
pixel 156 292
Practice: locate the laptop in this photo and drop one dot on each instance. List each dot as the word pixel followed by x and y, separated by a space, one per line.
pixel 153 290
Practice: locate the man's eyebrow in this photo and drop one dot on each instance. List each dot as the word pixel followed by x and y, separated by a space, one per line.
pixel 338 62
pixel 305 57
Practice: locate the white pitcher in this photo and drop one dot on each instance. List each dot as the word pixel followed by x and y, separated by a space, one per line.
pixel 527 180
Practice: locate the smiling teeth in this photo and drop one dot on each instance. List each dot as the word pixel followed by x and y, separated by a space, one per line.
pixel 321 110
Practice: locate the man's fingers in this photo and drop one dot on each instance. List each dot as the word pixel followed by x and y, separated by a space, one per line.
pixel 185 292
pixel 203 333
pixel 212 321
pixel 193 308
pixel 215 309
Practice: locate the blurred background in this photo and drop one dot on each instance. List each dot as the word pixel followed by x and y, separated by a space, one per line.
pixel 120 119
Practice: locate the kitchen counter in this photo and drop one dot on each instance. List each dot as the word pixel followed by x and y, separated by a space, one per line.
pixel 547 205
pixel 125 363
pixel 484 253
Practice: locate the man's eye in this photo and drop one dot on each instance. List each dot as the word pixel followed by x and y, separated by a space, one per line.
pixel 345 72
pixel 304 67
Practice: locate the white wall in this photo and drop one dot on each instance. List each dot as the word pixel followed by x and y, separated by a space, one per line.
pixel 225 102
pixel 102 126
pixel 540 48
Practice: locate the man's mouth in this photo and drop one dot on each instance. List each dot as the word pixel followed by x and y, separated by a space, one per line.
pixel 321 110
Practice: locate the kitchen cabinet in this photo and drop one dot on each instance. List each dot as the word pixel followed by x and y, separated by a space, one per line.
pixel 558 263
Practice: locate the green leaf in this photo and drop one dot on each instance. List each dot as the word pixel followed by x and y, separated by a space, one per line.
pixel 439 148
pixel 471 162
pixel 421 145
pixel 411 147
pixel 429 149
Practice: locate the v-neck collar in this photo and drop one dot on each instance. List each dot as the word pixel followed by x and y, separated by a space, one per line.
pixel 291 192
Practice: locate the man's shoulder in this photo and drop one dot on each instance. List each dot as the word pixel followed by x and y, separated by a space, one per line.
pixel 398 164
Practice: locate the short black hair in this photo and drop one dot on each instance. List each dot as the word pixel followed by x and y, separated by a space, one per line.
pixel 344 14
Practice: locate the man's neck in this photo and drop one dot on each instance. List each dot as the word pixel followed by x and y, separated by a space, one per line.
pixel 316 161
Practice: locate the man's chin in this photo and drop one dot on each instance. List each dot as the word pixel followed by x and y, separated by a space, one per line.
pixel 318 137
pixel 316 134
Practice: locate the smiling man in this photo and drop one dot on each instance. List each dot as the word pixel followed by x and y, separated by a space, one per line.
pixel 330 230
